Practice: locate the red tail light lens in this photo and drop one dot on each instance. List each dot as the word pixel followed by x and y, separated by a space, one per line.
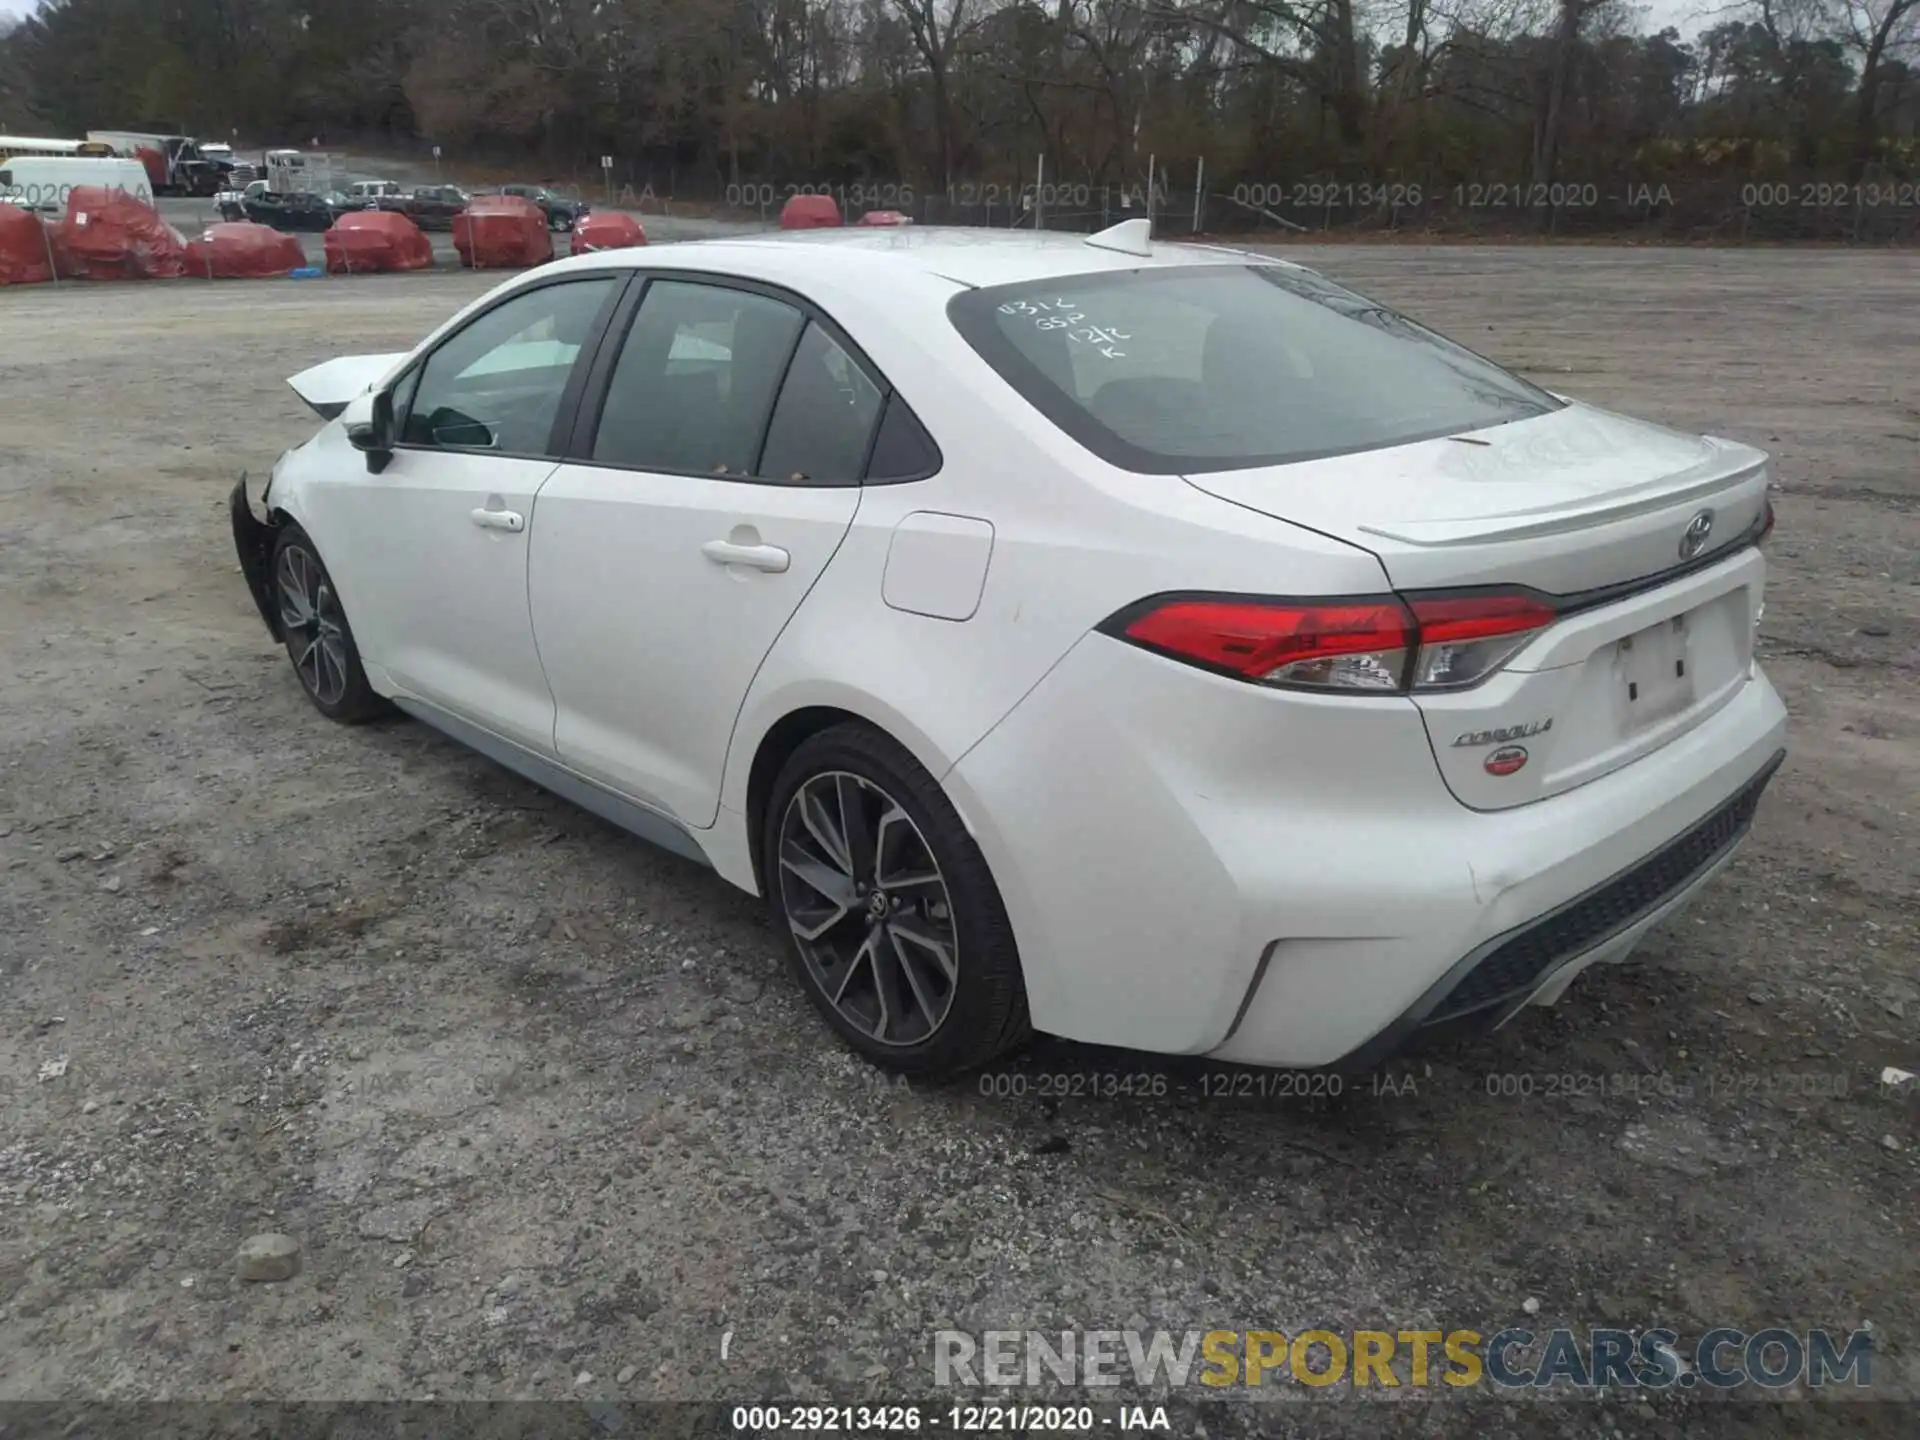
pixel 1380 644
pixel 1346 645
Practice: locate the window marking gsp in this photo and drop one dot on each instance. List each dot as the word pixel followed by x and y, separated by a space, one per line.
pixel 1059 314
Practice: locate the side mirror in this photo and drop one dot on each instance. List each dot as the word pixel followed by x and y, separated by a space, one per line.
pixel 368 422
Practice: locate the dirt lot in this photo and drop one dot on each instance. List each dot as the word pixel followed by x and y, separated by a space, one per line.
pixel 538 1102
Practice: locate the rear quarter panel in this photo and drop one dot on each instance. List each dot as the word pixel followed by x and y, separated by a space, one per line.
pixel 1074 540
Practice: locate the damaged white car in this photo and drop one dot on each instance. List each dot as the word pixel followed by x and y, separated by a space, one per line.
pixel 1153 645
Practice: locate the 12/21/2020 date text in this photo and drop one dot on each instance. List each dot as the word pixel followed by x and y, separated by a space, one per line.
pixel 768 1420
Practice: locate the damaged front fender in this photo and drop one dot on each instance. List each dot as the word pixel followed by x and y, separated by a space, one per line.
pixel 254 540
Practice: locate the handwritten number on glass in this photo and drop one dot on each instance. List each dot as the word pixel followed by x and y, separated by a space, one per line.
pixel 1058 314
pixel 1103 339
pixel 1035 307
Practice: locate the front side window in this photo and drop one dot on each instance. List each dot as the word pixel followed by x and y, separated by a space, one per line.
pixel 1195 369
pixel 694 386
pixel 497 384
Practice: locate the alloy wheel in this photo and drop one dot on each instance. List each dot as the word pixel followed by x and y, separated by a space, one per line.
pixel 868 908
pixel 311 619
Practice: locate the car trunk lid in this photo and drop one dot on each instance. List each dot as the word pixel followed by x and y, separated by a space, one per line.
pixel 1642 536
pixel 330 386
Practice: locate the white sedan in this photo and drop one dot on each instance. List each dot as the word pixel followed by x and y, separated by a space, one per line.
pixel 1154 645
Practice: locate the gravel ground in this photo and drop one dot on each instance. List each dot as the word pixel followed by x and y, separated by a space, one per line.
pixel 538 1102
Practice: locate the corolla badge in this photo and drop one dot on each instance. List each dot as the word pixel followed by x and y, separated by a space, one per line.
pixel 1473 739
pixel 1694 539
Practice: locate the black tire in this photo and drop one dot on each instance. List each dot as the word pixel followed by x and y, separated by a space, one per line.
pixel 318 638
pixel 985 1011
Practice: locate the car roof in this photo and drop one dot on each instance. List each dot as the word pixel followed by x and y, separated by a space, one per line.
pixel 976 258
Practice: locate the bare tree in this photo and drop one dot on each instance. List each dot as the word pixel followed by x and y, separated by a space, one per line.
pixel 938 29
pixel 1876 31
pixel 1569 17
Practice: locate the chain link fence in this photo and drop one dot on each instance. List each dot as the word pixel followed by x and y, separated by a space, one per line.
pixel 1879 209
pixel 1745 202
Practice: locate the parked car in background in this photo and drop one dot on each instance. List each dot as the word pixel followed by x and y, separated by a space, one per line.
pixel 232 202
pixel 301 210
pixel 562 213
pixel 376 194
pixel 432 207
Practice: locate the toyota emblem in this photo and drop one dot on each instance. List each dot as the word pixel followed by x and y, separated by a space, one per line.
pixel 1694 539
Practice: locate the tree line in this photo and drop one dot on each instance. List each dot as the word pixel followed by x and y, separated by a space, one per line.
pixel 1372 101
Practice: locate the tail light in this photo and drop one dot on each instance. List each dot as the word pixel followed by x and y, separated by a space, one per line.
pixel 1464 639
pixel 1352 645
pixel 1376 644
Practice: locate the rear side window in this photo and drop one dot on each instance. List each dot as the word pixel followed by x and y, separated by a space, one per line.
pixel 824 420
pixel 902 450
pixel 1196 369
pixel 694 387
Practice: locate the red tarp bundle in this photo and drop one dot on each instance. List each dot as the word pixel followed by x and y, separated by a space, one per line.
pixel 364 241
pixel 884 217
pixel 607 230
pixel 502 231
pixel 65 267
pixel 156 166
pixel 24 258
pixel 239 250
pixel 809 212
pixel 112 236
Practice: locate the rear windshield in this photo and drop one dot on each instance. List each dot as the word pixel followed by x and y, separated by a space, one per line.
pixel 1192 369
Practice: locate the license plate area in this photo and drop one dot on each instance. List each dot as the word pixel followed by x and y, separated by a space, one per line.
pixel 1654 674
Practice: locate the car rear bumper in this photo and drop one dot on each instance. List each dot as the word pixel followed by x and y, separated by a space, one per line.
pixel 1539 958
pixel 1197 866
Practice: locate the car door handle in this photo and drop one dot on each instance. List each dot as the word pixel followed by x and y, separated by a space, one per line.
pixel 770 558
pixel 511 520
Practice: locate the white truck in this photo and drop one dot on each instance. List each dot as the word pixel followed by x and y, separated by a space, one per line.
pixel 376 194
pixel 289 172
